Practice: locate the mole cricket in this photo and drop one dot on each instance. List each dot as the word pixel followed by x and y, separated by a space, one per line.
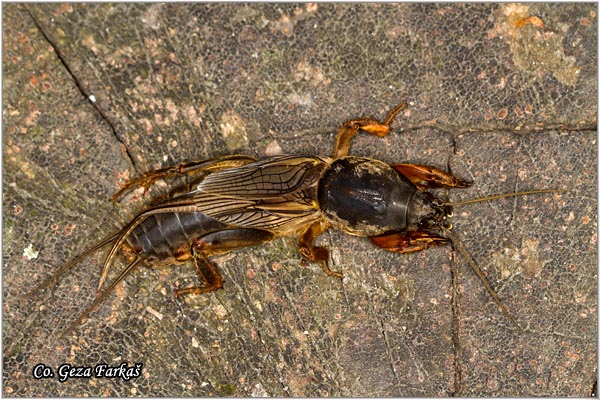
pixel 236 201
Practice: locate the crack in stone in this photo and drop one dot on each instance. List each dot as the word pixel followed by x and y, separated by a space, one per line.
pixel 474 129
pixel 455 303
pixel 455 298
pixel 80 86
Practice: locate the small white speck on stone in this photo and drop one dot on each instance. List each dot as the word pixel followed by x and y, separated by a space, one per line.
pixel 273 149
pixel 259 391
pixel 152 311
pixel 92 98
pixel 29 253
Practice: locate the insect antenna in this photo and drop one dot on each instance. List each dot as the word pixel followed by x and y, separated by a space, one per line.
pixel 463 252
pixel 100 298
pixel 501 196
pixel 53 279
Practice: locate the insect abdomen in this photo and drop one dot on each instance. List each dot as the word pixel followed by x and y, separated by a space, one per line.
pixel 168 238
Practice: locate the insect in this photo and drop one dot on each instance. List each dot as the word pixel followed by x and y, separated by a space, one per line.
pixel 237 201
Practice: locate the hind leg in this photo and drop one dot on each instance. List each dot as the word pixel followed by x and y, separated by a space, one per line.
pixel 218 243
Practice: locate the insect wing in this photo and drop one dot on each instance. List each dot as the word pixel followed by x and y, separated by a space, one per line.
pixel 277 194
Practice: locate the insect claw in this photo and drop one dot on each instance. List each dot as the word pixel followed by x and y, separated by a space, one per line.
pixel 329 272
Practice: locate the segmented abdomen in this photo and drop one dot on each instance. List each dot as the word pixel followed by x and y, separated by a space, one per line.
pixel 167 238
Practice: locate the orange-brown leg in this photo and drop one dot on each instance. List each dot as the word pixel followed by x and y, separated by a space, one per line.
pixel 192 169
pixel 424 176
pixel 207 272
pixel 218 243
pixel 316 253
pixel 350 128
pixel 408 242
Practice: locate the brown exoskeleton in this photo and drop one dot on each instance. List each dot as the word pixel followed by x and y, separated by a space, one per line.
pixel 238 201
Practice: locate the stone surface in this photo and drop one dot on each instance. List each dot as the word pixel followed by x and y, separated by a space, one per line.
pixel 503 95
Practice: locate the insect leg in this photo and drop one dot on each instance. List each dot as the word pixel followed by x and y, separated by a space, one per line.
pixel 350 128
pixel 217 243
pixel 424 176
pixel 408 242
pixel 316 253
pixel 192 169
pixel 207 272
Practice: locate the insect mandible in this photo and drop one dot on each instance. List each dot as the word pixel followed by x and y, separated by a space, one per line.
pixel 237 201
